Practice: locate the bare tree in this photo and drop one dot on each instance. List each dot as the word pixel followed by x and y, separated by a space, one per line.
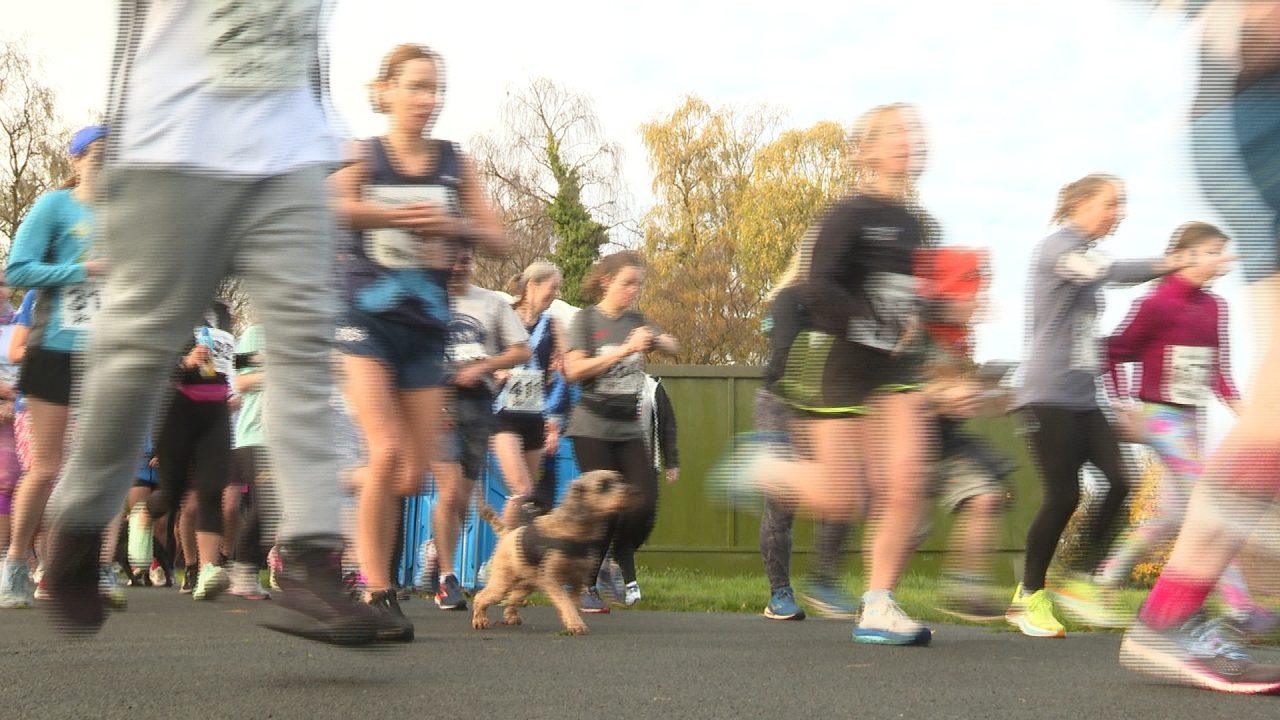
pixel 32 140
pixel 551 154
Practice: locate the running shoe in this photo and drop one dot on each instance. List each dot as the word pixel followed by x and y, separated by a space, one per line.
pixel 738 476
pixel 310 583
pixel 1090 603
pixel 593 604
pixel 829 600
pixel 139 578
pixel 211 582
pixel 396 627
pixel 15 585
pixel 37 575
pixel 782 605
pixel 189 578
pixel 42 590
pixel 160 575
pixel 1032 614
pixel 882 622
pixel 1199 654
pixel 245 583
pixel 72 575
pixel 633 594
pixel 449 596
pixel 110 587
pixel 274 565
pixel 609 581
pixel 428 577
pixel 968 599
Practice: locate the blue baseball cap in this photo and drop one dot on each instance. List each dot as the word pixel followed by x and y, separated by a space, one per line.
pixel 84 136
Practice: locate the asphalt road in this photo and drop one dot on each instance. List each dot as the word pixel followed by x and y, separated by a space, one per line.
pixel 169 657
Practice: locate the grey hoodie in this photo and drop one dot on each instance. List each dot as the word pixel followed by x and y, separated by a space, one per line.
pixel 1064 357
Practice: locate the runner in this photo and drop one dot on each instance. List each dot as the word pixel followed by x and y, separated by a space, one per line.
pixel 605 354
pixel 1234 122
pixel 1058 401
pixel 219 148
pixel 485 336
pixel 248 556
pixel 774 418
pixel 193 447
pixel 527 432
pixel 412 202
pixel 10 468
pixel 53 253
pixel 1178 333
pixel 853 370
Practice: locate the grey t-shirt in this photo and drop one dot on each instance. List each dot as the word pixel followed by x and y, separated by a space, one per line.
pixel 483 325
pixel 1064 353
pixel 596 334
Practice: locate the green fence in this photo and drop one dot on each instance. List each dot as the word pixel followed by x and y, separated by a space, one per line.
pixel 712 404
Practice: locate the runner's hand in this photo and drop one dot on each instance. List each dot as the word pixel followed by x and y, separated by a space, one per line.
pixel 673 475
pixel 1129 425
pixel 425 218
pixel 97 267
pixel 198 356
pixel 470 376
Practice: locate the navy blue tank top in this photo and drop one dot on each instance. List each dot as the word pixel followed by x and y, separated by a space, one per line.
pixel 381 277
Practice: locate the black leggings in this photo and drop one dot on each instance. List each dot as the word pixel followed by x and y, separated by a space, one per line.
pixel 251 465
pixel 1062 441
pixel 629 530
pixel 194 447
pixel 775 546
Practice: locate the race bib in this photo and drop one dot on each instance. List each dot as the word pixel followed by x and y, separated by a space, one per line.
pixel 80 304
pixel 523 392
pixel 463 353
pixel 894 305
pixel 626 377
pixel 395 248
pixel 262 45
pixel 1187 372
pixel 1084 345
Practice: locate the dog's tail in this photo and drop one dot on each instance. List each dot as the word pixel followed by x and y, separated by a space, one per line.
pixel 491 516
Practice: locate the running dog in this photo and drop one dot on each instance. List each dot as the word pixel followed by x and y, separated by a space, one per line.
pixel 555 553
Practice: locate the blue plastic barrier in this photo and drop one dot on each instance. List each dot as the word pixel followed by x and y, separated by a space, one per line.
pixel 476 539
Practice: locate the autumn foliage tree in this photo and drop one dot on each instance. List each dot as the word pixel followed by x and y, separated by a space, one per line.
pixel 734 195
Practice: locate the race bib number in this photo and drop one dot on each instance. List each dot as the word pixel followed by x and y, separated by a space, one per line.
pixel 223 350
pixel 523 392
pixel 894 306
pixel 1187 371
pixel 463 353
pixel 395 248
pixel 1084 345
pixel 262 45
pixel 624 378
pixel 80 304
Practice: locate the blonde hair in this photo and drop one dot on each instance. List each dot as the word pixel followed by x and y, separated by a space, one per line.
pixel 391 65
pixel 866 129
pixel 1074 193
pixel 538 271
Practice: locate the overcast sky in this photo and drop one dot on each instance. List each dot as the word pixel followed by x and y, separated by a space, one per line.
pixel 1019 97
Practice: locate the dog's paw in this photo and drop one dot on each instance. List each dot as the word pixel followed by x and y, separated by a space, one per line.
pixel 479 622
pixel 578 629
pixel 512 620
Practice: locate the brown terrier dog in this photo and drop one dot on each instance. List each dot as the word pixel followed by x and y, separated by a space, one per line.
pixel 555 553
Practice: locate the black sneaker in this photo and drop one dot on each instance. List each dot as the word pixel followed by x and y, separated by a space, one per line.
pixel 189 578
pixel 449 596
pixel 71 579
pixel 396 627
pixel 311 584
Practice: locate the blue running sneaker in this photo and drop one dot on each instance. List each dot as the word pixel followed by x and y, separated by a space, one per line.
pixel 782 605
pixel 884 623
pixel 829 600
pixel 449 596
pixel 593 604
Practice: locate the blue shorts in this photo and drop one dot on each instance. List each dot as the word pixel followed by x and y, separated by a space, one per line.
pixel 414 354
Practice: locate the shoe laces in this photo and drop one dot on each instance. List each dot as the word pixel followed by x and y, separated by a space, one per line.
pixel 1216 638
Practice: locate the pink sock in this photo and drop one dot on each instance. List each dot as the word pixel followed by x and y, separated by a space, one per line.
pixel 1173 601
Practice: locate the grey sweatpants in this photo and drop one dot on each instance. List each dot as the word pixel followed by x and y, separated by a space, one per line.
pixel 170 238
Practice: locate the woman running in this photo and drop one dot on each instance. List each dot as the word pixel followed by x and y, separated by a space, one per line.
pixel 247 551
pixel 527 432
pixel 410 200
pixel 605 354
pixel 53 253
pixel 1058 398
pixel 193 447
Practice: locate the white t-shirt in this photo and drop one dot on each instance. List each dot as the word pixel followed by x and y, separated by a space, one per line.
pixel 233 87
